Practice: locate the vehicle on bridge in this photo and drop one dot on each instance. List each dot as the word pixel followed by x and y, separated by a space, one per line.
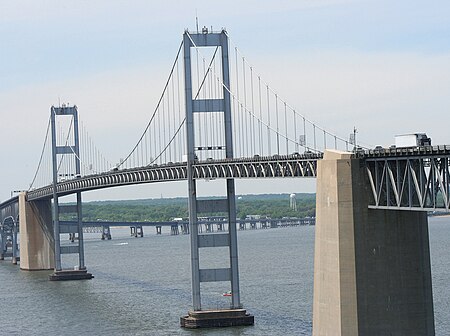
pixel 412 140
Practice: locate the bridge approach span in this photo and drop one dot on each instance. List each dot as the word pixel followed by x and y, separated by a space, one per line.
pixel 409 178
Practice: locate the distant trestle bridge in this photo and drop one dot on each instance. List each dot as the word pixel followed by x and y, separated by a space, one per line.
pixel 10 228
pixel 182 226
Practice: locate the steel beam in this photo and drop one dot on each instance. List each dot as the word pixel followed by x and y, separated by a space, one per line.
pixel 417 182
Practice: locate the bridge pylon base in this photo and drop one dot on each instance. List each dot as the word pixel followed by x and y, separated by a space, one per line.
pixel 65 275
pixel 372 272
pixel 217 318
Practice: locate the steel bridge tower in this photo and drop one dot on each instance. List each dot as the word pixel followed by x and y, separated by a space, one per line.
pixel 235 315
pixel 73 150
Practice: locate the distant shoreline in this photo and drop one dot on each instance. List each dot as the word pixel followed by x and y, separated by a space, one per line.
pixel 440 216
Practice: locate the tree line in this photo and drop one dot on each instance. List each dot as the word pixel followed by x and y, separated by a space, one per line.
pixel 270 205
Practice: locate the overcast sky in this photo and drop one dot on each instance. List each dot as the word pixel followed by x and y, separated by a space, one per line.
pixel 382 66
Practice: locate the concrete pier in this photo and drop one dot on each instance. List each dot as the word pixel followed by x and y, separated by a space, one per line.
pixel 217 318
pixel 372 273
pixel 106 233
pixel 137 231
pixel 36 235
pixel 184 228
pixel 66 275
pixel 174 229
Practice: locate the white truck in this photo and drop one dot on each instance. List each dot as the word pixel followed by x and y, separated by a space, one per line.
pixel 412 140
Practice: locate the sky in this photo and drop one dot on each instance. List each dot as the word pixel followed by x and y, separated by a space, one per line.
pixel 381 66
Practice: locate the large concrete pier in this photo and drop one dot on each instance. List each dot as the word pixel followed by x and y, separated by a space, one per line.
pixel 36 235
pixel 372 272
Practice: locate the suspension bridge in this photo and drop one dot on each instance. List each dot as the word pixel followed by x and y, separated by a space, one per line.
pixel 218 119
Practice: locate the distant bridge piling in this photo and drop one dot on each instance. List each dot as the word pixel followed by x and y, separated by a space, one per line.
pixel 174 230
pixel 136 231
pixel 184 228
pixel 106 232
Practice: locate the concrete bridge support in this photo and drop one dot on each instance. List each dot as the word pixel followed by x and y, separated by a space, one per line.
pixel 106 232
pixel 8 239
pixel 136 231
pixel 372 272
pixel 184 228
pixel 36 235
pixel 174 230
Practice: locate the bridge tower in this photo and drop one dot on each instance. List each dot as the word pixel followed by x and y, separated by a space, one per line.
pixel 73 150
pixel 235 315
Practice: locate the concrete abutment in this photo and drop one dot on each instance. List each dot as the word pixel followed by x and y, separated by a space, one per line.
pixel 36 235
pixel 372 273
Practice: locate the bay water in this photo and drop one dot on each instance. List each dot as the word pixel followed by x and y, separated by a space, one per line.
pixel 142 286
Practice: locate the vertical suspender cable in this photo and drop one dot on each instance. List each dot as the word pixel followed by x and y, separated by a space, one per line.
pixel 286 128
pixel 239 115
pixel 198 88
pixel 204 116
pixel 261 148
pixel 278 122
pixel 163 116
pixel 268 122
pixel 181 148
pixel 295 133
pixel 169 132
pixel 314 132
pixel 218 139
pixel 159 131
pixel 147 132
pixel 246 128
pixel 305 145
pixel 175 156
pixel 253 111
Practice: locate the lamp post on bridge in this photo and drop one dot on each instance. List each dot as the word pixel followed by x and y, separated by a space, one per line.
pixel 352 139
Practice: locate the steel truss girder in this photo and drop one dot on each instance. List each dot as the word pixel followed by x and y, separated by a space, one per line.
pixel 9 228
pixel 409 183
pixel 9 208
pixel 235 168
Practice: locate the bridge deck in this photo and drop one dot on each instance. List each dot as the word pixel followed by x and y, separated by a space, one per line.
pixel 400 178
pixel 296 165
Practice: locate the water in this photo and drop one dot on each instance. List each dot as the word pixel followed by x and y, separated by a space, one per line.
pixel 142 287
